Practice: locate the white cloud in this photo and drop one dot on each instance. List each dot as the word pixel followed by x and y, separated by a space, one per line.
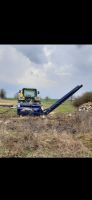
pixel 65 70
pixel 36 77
pixel 53 69
pixel 12 64
pixel 47 51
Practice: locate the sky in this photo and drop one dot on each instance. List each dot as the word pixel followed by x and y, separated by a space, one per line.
pixel 53 69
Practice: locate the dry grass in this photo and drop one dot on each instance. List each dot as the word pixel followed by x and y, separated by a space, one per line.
pixel 8 102
pixel 55 136
pixel 44 145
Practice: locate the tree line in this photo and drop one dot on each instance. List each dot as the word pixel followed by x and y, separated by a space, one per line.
pixel 3 94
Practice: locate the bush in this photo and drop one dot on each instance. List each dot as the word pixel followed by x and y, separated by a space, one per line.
pixel 85 98
pixel 2 94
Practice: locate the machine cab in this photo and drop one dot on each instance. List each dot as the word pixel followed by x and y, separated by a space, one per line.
pixel 29 94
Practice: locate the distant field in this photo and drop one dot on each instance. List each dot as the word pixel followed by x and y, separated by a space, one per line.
pixel 65 107
pixel 8 101
pixel 5 111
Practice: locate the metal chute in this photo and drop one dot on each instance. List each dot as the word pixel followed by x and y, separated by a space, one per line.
pixel 60 101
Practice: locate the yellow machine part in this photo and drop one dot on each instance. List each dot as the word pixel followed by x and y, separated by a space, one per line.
pixel 20 96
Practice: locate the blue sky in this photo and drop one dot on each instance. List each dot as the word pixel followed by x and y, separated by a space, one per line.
pixel 52 69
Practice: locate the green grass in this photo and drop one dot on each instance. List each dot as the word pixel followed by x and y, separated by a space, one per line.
pixel 8 112
pixel 67 106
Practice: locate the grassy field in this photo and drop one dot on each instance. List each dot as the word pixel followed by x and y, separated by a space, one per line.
pixel 65 107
